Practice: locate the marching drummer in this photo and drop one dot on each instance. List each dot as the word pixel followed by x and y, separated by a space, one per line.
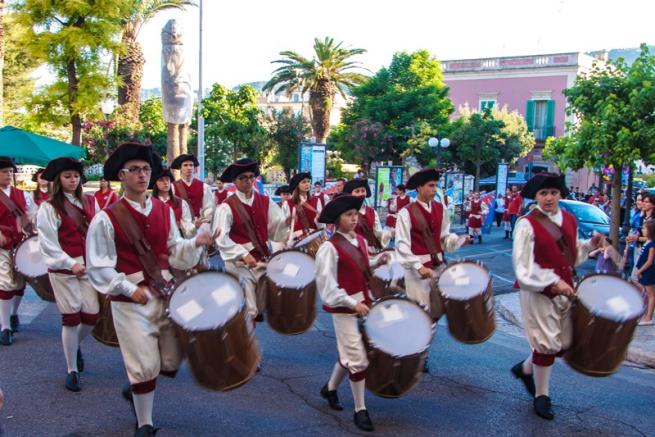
pixel 191 189
pixel 368 223
pixel 342 279
pixel 136 275
pixel 62 223
pixel 301 209
pixel 163 190
pixel 422 235
pixel 16 211
pixel 284 192
pixel 396 203
pixel 42 191
pixel 221 192
pixel 245 223
pixel 546 250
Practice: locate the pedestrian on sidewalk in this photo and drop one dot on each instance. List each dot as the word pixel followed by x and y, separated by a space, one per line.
pixel 608 259
pixel 645 272
pixel 500 209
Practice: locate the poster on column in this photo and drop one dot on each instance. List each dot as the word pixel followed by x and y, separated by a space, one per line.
pixel 387 178
pixel 501 178
pixel 311 158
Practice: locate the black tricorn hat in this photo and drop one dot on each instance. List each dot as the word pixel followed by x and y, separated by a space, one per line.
pixel 177 162
pixel 544 180
pixel 422 177
pixel 352 184
pixel 400 187
pixel 341 203
pixel 6 161
pixel 35 176
pixel 58 165
pixel 129 151
pixel 240 166
pixel 165 172
pixel 298 178
pixel 282 189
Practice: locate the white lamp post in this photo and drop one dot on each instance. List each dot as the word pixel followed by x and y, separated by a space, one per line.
pixel 107 106
pixel 437 143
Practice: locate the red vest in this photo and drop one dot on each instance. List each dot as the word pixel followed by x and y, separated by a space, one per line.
pixel 155 228
pixel 515 204
pixel 9 223
pixel 194 193
pixel 40 197
pixel 434 219
pixel 105 199
pixel 259 214
pixel 548 254
pixel 391 215
pixel 70 238
pixel 220 196
pixel 476 207
pixel 309 207
pixel 350 277
pixel 177 211
pixel 369 216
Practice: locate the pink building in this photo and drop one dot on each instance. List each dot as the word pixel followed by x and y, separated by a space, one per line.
pixel 532 85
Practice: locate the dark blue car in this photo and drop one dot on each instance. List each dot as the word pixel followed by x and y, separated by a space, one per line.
pixel 590 218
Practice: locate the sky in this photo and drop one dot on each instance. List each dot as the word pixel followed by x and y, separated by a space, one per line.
pixel 242 37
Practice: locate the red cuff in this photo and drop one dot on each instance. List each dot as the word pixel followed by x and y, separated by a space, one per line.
pixel 142 388
pixel 543 360
pixel 71 319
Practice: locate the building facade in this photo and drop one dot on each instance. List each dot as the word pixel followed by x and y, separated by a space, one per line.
pixel 531 85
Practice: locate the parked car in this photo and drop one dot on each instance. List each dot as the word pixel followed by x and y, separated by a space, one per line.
pixel 590 218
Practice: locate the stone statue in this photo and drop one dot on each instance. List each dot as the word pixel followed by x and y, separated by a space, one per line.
pixel 177 92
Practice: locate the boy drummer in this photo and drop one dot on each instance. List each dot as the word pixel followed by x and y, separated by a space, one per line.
pixel 545 253
pixel 342 275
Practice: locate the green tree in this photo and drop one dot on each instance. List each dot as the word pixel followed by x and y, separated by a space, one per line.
pixel 233 126
pixel 74 38
pixel 405 98
pixel 328 72
pixel 615 106
pixel 131 59
pixel 286 131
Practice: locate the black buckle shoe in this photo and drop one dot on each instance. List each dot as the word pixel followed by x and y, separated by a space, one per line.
pixel 6 337
pixel 73 382
pixel 363 421
pixel 80 361
pixel 543 407
pixel 146 431
pixel 528 380
pixel 332 398
pixel 14 323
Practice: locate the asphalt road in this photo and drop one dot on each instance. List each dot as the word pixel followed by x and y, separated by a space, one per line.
pixel 469 391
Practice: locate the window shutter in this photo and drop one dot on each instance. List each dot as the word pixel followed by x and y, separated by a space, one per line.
pixel 550 118
pixel 529 115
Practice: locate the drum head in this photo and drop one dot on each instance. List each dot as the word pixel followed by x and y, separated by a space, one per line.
pixel 389 272
pixel 206 301
pixel 463 281
pixel 309 238
pixel 28 259
pixel 610 297
pixel 398 327
pixel 291 269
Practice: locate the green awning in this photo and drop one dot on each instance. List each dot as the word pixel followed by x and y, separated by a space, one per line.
pixel 29 148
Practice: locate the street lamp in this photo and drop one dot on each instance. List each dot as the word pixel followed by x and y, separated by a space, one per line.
pixel 107 106
pixel 438 143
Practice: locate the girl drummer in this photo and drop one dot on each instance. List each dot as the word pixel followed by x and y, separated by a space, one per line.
pixel 105 196
pixel 62 222
pixel 163 191
pixel 302 209
pixel 342 283
pixel 42 191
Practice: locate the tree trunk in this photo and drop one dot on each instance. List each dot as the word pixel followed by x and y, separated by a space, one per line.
pixel 76 121
pixel 616 206
pixel 2 63
pixel 130 72
pixel 172 142
pixel 321 101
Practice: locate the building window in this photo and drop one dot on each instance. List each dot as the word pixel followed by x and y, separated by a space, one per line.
pixel 540 117
pixel 296 97
pixel 486 104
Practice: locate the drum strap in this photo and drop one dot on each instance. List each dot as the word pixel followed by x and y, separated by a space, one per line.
pixel 369 234
pixel 245 218
pixel 557 235
pixel 353 253
pixel 304 221
pixel 16 210
pixel 179 184
pixel 74 213
pixel 143 249
pixel 426 231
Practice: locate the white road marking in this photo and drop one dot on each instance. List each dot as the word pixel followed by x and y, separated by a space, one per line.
pixel 31 306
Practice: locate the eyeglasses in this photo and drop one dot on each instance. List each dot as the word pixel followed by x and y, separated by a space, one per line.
pixel 244 177
pixel 137 170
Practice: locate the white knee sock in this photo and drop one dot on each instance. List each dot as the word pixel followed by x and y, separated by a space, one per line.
pixel 527 365
pixel 83 331
pixel 542 379
pixel 143 407
pixel 358 388
pixel 15 302
pixel 5 312
pixel 338 373
pixel 71 342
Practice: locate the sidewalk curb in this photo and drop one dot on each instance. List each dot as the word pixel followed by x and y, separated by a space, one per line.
pixel 637 353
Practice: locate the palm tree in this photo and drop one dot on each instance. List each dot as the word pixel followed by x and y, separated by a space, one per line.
pixel 328 72
pixel 130 62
